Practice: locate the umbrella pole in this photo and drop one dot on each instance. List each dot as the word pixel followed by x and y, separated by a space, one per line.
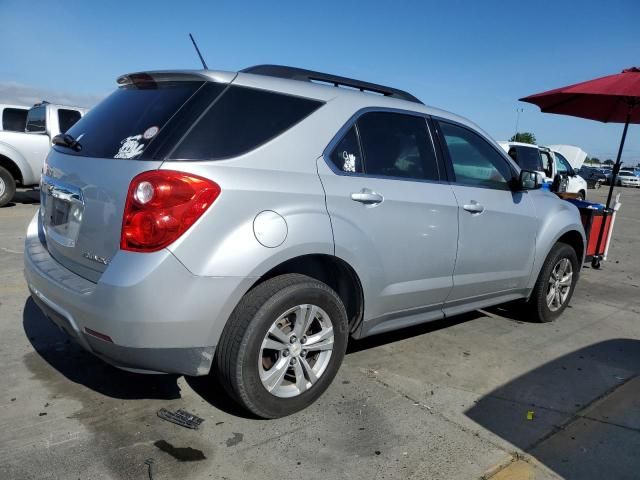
pixel 614 175
pixel 616 167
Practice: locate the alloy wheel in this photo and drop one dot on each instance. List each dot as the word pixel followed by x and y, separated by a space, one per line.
pixel 560 282
pixel 296 351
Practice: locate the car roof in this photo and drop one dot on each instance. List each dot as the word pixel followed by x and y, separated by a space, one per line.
pixel 9 105
pixel 357 99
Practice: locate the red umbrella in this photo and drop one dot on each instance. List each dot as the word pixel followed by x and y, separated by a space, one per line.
pixel 614 98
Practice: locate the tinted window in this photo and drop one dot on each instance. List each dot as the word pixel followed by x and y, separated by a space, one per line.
pixel 241 120
pixel 67 118
pixel 397 145
pixel 346 155
pixel 36 119
pixel 14 119
pixel 475 161
pixel 123 124
pixel 527 158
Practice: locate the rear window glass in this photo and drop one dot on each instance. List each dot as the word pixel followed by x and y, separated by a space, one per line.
pixel 67 118
pixel 241 120
pixel 14 119
pixel 128 120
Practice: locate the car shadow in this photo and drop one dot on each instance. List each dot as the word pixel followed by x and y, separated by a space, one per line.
pixel 409 332
pixel 578 414
pixel 57 349
pixel 25 197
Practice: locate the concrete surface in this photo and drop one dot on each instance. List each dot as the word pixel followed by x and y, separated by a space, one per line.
pixel 448 400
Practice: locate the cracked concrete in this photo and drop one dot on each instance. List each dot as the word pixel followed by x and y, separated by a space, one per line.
pixel 447 400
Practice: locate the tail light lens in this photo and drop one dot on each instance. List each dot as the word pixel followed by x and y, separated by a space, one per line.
pixel 161 205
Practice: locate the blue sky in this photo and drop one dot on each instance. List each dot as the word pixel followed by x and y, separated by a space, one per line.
pixel 475 58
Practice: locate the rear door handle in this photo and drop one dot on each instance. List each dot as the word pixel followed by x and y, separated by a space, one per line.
pixel 473 207
pixel 367 197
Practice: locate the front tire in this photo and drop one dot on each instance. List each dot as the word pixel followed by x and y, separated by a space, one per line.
pixel 282 345
pixel 555 285
pixel 7 186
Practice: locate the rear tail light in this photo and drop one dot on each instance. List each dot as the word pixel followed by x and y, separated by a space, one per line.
pixel 162 205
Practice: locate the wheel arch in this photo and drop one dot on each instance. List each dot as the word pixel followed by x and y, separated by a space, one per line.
pixel 333 271
pixel 12 167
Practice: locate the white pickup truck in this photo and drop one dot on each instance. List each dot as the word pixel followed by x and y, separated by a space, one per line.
pixel 22 153
pixel 548 162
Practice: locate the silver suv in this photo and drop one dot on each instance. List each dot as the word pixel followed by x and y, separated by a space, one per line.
pixel 248 224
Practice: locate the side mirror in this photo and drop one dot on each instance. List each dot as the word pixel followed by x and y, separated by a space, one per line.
pixel 529 180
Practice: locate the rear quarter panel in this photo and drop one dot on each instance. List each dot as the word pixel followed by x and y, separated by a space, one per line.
pixel 279 176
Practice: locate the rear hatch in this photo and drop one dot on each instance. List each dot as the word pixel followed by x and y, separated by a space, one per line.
pixel 84 188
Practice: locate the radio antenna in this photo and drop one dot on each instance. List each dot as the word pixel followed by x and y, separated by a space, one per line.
pixel 198 51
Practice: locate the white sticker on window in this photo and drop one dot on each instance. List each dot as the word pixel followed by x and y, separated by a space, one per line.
pixel 150 132
pixel 130 147
pixel 349 162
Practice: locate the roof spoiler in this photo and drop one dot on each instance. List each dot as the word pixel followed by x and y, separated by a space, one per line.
pixel 149 79
pixel 303 75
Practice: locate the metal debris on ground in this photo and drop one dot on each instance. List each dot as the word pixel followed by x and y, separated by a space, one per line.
pixel 181 417
pixel 149 462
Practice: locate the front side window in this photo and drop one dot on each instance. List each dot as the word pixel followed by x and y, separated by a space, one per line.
pixel 36 119
pixel 14 119
pixel 475 161
pixel 562 164
pixel 397 145
pixel 241 120
pixel 346 156
pixel 67 118
pixel 527 158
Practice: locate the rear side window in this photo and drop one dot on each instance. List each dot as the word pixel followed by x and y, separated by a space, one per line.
pixel 241 120
pixel 397 145
pixel 67 118
pixel 36 119
pixel 346 155
pixel 14 119
pixel 127 121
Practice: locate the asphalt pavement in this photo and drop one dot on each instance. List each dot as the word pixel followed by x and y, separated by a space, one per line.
pixel 483 395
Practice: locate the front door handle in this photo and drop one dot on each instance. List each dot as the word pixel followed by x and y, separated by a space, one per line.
pixel 367 197
pixel 473 207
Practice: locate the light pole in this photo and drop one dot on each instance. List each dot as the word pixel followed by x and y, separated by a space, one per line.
pixel 518 112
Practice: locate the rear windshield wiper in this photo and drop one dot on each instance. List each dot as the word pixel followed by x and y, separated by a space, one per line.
pixel 66 140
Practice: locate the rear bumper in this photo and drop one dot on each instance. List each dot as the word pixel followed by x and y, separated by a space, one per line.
pixel 158 316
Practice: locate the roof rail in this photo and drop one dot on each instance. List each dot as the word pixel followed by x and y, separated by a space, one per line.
pixel 303 75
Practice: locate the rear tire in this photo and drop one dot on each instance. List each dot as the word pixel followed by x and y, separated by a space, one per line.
pixel 7 186
pixel 267 337
pixel 555 285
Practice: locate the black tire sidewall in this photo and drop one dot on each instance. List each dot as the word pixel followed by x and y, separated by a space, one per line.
pixel 10 186
pixel 539 298
pixel 252 392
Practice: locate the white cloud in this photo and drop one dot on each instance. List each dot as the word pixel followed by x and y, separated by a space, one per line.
pixel 20 94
